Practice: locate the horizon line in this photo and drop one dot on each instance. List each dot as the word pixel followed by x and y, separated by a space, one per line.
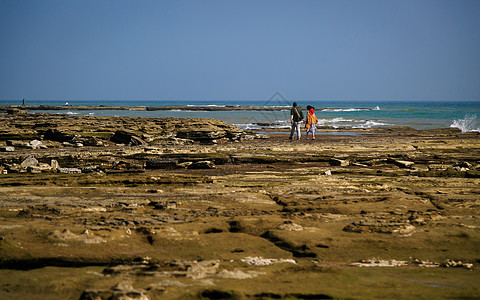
pixel 292 99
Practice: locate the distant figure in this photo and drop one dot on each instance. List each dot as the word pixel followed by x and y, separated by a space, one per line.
pixel 296 117
pixel 66 103
pixel 311 121
pixel 23 102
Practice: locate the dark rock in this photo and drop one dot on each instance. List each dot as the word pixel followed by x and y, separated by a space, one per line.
pixel 16 143
pixel 56 135
pixel 159 163
pixel 205 164
pixel 7 149
pixel 127 138
pixel 88 141
pixel 339 162
pixel 205 134
pixel 163 205
pixel 16 111
pixel 472 174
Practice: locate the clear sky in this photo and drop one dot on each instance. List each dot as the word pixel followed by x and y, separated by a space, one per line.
pixel 240 50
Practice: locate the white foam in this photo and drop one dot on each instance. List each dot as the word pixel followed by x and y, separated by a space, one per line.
pixel 467 124
pixel 206 105
pixel 370 124
pixel 350 109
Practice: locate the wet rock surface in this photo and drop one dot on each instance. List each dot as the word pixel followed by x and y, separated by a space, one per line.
pixel 134 208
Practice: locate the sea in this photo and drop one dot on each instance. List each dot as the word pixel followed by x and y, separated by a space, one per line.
pixel 337 114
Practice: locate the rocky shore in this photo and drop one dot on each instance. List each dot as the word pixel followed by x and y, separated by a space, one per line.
pixel 143 208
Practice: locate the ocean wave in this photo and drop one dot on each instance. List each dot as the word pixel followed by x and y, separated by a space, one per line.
pixel 350 109
pixel 370 124
pixel 208 105
pixel 342 109
pixel 335 122
pixel 467 124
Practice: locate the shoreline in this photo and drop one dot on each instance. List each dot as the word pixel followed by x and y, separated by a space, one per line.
pixel 264 117
pixel 162 108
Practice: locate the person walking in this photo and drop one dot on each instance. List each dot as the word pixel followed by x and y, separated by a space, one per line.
pixel 311 121
pixel 296 117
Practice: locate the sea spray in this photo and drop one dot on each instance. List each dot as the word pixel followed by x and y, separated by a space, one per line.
pixel 467 124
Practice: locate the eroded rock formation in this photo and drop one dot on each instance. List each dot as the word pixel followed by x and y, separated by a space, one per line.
pixel 193 209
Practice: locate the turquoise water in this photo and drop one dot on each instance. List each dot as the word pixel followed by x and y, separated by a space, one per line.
pixel 357 114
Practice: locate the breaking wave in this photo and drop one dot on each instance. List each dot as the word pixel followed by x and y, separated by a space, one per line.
pixel 370 124
pixel 467 124
pixel 348 109
pixel 334 123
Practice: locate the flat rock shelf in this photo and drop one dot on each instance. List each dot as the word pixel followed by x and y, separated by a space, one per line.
pixel 144 208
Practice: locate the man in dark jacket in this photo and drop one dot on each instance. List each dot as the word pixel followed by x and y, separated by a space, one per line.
pixel 296 117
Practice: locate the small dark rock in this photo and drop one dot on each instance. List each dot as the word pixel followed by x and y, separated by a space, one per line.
pixel 206 164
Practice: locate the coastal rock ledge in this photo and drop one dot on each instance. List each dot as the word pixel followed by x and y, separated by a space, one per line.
pixel 97 131
pixel 144 208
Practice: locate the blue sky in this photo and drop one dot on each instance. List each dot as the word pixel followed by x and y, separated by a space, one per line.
pixel 240 50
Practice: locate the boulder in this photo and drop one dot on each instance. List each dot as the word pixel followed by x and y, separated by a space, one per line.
pixel 30 161
pixel 41 167
pixel 404 163
pixel 16 111
pixel 185 164
pixel 54 164
pixel 339 162
pixel 401 163
pixel 7 149
pixel 36 144
pixel 56 135
pixel 127 138
pixel 89 141
pixel 158 163
pixel 204 164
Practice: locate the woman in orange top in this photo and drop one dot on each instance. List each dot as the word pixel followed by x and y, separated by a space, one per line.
pixel 311 122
